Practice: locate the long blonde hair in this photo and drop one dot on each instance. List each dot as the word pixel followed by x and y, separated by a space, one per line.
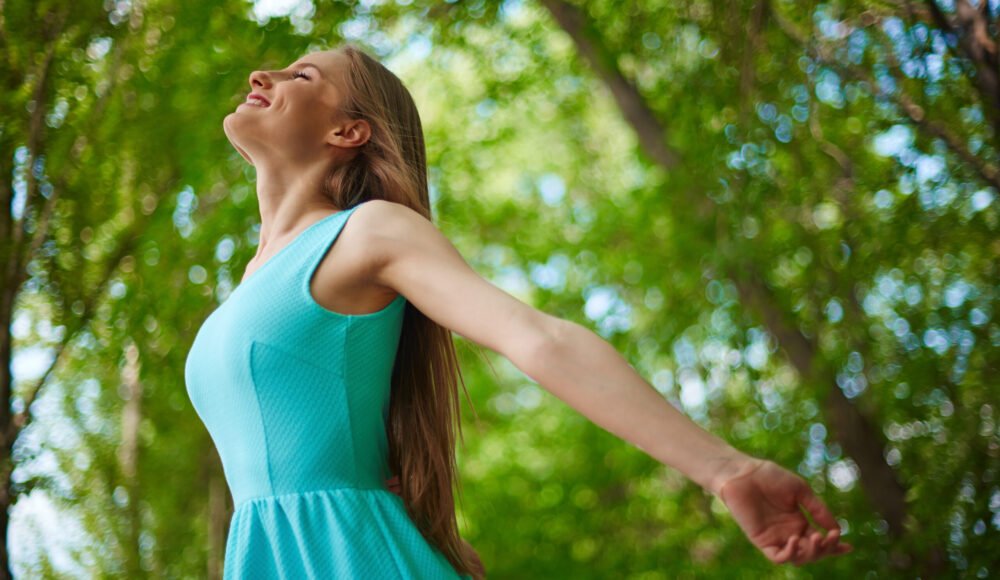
pixel 424 403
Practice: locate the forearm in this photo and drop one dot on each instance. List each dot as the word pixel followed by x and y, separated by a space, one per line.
pixel 587 373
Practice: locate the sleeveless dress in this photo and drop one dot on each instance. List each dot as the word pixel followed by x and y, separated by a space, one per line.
pixel 295 398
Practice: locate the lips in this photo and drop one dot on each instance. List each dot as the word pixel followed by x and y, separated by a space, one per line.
pixel 258 100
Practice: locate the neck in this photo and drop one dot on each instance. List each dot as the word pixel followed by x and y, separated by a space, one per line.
pixel 290 198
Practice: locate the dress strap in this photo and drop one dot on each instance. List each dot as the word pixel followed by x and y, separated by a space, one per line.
pixel 323 239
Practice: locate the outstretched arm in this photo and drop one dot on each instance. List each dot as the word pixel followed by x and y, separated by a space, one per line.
pixel 412 257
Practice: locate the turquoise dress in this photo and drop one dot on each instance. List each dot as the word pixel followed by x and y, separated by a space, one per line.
pixel 295 398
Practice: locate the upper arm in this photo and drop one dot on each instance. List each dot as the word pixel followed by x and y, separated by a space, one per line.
pixel 411 256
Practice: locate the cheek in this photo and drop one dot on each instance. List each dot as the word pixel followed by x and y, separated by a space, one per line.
pixel 294 127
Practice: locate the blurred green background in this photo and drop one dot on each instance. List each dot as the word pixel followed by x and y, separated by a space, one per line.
pixel 783 214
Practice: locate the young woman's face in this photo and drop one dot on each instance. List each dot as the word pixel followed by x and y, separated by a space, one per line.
pixel 301 109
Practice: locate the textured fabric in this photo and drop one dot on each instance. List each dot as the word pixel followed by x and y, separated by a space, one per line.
pixel 295 398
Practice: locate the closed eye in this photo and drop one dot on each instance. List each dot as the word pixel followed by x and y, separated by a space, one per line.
pixel 297 74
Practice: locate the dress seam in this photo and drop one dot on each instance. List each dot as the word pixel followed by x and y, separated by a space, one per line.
pixel 346 384
pixel 310 492
pixel 260 413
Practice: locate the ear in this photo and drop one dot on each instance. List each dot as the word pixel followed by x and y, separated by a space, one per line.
pixel 351 133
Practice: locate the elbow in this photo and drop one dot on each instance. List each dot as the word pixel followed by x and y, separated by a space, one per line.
pixel 544 341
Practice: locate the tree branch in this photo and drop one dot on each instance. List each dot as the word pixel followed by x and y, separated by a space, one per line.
pixel 986 170
pixel 650 131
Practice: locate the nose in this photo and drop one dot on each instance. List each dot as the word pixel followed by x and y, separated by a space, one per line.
pixel 259 78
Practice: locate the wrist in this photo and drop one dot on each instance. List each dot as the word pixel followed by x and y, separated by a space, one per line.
pixel 727 467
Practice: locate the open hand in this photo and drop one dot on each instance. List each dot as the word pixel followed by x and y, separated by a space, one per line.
pixel 764 499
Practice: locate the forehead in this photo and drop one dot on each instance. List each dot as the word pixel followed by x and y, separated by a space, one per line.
pixel 331 63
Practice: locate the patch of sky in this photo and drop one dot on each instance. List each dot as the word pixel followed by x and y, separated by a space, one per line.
pixel 834 311
pixel 684 352
pixel 929 167
pixel 30 362
pixel 856 43
pixel 552 274
pixel 511 9
pixel 707 48
pixel 416 49
pixel 981 199
pixel 936 339
pixel 98 48
pixel 935 66
pixel 800 93
pixel 971 115
pixel 604 306
pixel 827 25
pixel 486 108
pixel 552 188
pixel 828 89
pixel 56 117
pixel 883 199
pixel 895 30
pixel 299 12
pixel 767 112
pixel 893 141
pixel 35 460
pixel 938 196
pixel 197 274
pixel 693 391
pixel 582 213
pixel 119 11
pixel 514 281
pixel 356 28
pixel 783 130
pixel 528 396
pixel 756 353
pixel 187 203
pixel 20 199
pixel 800 113
pixel 224 249
pixel 117 289
pixel 843 474
pixel 978 317
pixel 663 381
pixel 913 294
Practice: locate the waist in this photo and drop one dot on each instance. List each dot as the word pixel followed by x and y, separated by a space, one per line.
pixel 319 495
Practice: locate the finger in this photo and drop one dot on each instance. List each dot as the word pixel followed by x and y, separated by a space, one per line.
pixel 788 551
pixel 816 508
pixel 814 552
pixel 805 552
pixel 780 554
pixel 831 538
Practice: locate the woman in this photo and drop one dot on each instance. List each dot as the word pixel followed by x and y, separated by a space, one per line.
pixel 292 375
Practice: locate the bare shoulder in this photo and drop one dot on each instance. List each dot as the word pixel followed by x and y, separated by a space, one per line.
pixel 383 217
pixel 409 255
pixel 383 226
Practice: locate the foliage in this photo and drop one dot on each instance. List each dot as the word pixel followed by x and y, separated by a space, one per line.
pixel 783 246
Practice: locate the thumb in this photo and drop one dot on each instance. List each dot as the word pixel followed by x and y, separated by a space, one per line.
pixel 816 508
